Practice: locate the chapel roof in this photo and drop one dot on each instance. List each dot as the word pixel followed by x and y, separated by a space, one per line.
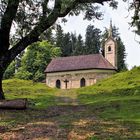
pixel 82 62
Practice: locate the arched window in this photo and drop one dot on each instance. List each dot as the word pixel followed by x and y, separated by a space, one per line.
pixel 58 84
pixel 109 48
pixel 82 82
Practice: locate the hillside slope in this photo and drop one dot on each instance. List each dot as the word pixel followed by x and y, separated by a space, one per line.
pixel 118 97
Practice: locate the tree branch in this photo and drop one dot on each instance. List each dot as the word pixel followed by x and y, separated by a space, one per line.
pixel 68 9
pixel 76 2
pixel 44 7
pixel 6 23
pixel 44 23
pixel 136 12
pixel 91 1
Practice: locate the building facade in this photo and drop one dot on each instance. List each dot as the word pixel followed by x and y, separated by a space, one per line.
pixel 85 70
pixel 77 71
pixel 76 79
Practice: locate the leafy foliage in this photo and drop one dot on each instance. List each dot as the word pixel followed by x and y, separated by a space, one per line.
pixel 121 55
pixel 79 47
pixel 71 44
pixel 23 74
pixel 36 59
pixel 135 6
pixel 92 42
pixel 9 73
pixel 48 35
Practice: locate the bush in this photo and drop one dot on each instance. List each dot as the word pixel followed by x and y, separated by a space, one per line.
pixel 23 75
pixel 10 71
pixel 39 76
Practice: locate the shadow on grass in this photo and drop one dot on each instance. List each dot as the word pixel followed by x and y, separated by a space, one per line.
pixel 65 122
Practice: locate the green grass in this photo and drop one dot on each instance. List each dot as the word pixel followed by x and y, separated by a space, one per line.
pixel 114 101
pixel 119 96
pixel 39 95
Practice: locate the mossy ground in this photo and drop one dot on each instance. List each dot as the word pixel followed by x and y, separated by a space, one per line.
pixel 109 110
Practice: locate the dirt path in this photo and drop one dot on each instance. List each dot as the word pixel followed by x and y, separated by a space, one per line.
pixel 67 97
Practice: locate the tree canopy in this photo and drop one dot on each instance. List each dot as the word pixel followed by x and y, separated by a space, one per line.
pixel 35 60
pixel 92 42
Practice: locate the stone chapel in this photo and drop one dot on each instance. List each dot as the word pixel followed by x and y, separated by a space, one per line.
pixel 84 70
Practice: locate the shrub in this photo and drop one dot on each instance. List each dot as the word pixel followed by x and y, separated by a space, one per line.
pixel 23 75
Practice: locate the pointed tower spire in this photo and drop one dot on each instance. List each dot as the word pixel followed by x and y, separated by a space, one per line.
pixel 110 29
pixel 110 49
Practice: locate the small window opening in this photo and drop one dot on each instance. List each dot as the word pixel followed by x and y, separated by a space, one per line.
pixel 58 84
pixel 109 48
pixel 82 82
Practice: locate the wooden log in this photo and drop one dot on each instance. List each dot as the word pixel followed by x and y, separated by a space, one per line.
pixel 13 104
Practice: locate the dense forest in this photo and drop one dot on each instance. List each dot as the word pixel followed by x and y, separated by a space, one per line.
pixel 31 63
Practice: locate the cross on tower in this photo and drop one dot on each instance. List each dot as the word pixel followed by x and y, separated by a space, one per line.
pixel 66 83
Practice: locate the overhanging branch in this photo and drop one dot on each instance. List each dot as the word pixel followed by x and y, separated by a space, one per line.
pixel 43 24
pixel 76 2
pixel 92 1
pixel 44 7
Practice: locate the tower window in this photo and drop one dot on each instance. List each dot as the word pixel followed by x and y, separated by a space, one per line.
pixel 109 48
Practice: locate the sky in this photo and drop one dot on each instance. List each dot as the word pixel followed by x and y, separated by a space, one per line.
pixel 120 18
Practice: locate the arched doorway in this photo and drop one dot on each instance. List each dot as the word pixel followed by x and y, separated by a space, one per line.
pixel 58 84
pixel 82 82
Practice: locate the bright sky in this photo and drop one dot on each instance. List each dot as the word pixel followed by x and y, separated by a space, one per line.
pixel 120 19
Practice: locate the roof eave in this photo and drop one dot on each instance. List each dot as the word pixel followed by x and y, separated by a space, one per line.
pixel 114 69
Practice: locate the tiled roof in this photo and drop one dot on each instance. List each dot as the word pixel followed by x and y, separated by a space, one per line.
pixel 82 62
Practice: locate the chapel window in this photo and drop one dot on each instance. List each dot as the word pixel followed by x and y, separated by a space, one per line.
pixel 82 82
pixel 58 84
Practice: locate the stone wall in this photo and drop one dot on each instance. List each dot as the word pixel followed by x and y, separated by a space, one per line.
pixel 74 77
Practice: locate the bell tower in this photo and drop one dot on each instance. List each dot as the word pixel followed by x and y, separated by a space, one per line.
pixel 110 48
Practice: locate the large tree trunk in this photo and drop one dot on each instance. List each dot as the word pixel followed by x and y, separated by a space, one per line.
pixel 9 104
pixel 2 97
pixel 3 65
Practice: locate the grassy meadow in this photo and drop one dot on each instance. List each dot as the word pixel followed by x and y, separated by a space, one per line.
pixel 109 110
